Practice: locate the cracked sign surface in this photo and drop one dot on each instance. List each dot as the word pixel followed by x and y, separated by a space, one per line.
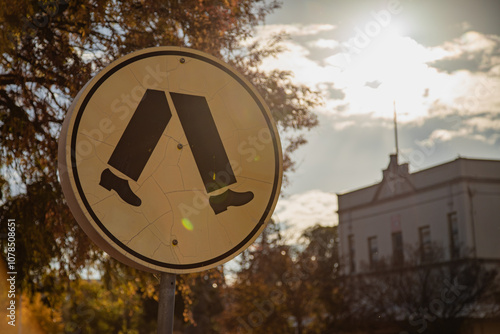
pixel 170 160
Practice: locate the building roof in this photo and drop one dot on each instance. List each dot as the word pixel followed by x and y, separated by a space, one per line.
pixel 397 181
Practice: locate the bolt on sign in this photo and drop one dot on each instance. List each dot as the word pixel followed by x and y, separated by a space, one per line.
pixel 170 160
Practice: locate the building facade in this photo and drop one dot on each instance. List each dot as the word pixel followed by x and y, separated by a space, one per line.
pixel 454 207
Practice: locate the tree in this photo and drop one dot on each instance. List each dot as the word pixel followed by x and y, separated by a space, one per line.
pixel 50 49
pixel 320 260
pixel 420 295
pixel 256 300
pixel 279 288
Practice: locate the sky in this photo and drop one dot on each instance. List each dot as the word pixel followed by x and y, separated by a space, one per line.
pixel 436 62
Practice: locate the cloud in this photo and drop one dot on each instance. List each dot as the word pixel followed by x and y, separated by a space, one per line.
pixel 473 51
pixel 445 135
pixel 324 44
pixel 390 60
pixel 297 57
pixel 475 135
pixel 373 84
pixel 330 91
pixel 312 29
pixel 450 65
pixel 303 210
pixel 457 79
pixel 482 124
pixel 293 29
pixel 343 125
pixel 485 128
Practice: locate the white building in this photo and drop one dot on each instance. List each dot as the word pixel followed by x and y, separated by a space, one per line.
pixel 455 206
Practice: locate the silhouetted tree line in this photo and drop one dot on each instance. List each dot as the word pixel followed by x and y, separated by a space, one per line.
pixel 304 289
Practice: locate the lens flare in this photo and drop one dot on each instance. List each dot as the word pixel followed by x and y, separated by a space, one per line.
pixel 187 224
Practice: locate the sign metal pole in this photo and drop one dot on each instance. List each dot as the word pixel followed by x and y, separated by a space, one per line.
pixel 166 303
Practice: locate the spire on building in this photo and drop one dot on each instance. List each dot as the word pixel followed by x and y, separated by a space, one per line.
pixel 396 131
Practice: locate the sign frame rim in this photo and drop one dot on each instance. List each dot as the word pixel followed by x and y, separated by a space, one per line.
pixel 76 198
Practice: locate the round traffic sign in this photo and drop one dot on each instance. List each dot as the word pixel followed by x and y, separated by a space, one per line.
pixel 170 160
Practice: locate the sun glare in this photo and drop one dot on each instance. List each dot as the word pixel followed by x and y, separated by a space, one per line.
pixel 391 67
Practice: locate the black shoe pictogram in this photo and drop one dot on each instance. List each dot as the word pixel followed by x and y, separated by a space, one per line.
pixel 121 186
pixel 220 202
pixel 145 129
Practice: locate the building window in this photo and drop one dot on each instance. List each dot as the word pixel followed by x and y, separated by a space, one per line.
pixel 453 230
pixel 425 243
pixel 397 248
pixel 373 249
pixel 352 259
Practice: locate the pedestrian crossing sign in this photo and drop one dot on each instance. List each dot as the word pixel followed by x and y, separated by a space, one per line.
pixel 170 160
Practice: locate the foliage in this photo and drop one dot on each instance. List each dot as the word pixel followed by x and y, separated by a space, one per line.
pixel 431 296
pixel 256 300
pixel 206 303
pixel 302 289
pixel 278 290
pixel 49 50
